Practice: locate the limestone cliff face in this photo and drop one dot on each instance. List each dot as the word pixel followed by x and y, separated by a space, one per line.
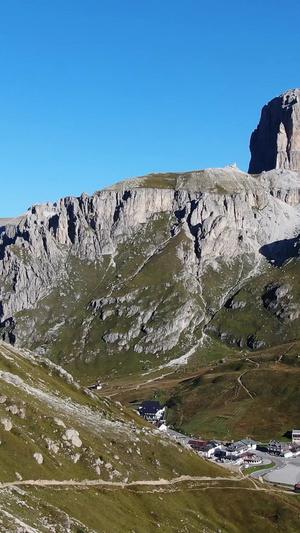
pixel 276 141
pixel 207 219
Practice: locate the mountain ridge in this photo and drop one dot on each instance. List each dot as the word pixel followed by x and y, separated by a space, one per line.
pixel 215 225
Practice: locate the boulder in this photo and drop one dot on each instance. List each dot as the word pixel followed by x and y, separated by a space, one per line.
pixel 38 457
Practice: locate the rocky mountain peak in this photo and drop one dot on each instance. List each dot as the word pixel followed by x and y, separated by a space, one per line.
pixel 276 141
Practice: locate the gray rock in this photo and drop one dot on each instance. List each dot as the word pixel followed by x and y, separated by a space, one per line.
pixel 38 457
pixel 276 141
pixel 277 300
pixel 224 215
pixel 6 423
pixel 72 436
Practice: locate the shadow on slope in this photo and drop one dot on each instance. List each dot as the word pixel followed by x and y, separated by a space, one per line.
pixel 279 251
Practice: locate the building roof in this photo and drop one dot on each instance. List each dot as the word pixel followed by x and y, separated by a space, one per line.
pixel 249 442
pixel 150 407
pixel 198 442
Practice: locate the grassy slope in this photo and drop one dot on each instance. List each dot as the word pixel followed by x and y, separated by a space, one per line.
pixel 209 402
pixel 214 404
pixel 108 432
pixel 192 506
pixel 71 333
pixel 145 277
pixel 254 320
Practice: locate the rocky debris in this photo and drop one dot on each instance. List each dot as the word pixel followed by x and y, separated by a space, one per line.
pixel 59 422
pixel 276 141
pixel 6 423
pixel 22 413
pixel 38 457
pixel 254 343
pixel 97 464
pixel 72 436
pixel 15 410
pixel 52 446
pixel 234 304
pixel 278 300
pixel 13 379
pixel 282 184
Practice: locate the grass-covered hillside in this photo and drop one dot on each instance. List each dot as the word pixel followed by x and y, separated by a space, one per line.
pixel 254 394
pixel 179 287
pixel 52 428
pixel 71 461
pixel 151 270
pixel 264 311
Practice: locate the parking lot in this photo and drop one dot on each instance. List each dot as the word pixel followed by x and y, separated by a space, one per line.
pixel 288 473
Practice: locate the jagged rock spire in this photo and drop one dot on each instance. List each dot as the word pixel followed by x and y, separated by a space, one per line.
pixel 276 141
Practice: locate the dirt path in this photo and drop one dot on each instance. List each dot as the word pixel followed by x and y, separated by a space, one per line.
pixel 159 483
pixel 252 395
pixel 254 362
pixel 285 353
pixel 117 484
pixel 244 386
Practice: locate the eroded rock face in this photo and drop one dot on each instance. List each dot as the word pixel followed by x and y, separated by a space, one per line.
pixel 278 300
pixel 276 141
pixel 213 224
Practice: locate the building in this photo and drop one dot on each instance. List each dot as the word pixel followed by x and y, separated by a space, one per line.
pixel 152 411
pixel 295 448
pixel 252 458
pixel 296 435
pixel 236 449
pixel 197 444
pixel 97 386
pixel 279 448
pixel 204 448
pixel 251 444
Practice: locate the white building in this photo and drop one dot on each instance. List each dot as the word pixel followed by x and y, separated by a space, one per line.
pixel 296 435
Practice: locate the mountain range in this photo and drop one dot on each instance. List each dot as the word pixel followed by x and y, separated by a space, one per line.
pixel 170 285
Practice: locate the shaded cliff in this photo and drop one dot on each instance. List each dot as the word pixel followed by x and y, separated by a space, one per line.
pixel 276 141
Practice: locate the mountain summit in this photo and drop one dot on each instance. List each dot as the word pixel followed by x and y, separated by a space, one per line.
pixel 276 141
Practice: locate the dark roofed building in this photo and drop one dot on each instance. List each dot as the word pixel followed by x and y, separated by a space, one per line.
pixel 197 444
pixel 152 411
pixel 278 448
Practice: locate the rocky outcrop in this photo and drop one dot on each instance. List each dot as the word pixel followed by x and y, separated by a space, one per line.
pixel 276 141
pixel 282 184
pixel 207 219
pixel 278 300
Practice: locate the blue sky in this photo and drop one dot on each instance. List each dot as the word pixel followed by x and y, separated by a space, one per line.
pixel 96 91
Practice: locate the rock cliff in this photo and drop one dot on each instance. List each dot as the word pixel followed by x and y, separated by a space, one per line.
pixel 276 141
pixel 141 267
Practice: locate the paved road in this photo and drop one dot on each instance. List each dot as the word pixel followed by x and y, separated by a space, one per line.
pixel 286 470
pixel 289 473
pixel 267 459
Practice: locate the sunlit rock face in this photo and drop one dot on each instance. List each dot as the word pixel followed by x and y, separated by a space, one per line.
pixel 275 144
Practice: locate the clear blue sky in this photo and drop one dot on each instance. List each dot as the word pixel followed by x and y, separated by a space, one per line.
pixel 96 91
